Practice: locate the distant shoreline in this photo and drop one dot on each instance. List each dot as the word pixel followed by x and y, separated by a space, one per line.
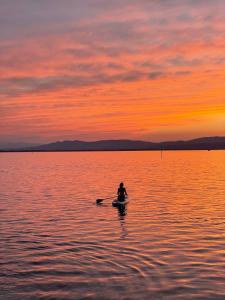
pixel 204 143
pixel 125 150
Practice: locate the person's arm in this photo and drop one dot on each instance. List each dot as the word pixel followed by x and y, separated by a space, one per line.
pixel 126 192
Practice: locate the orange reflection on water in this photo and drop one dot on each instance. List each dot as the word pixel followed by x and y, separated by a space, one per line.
pixel 55 237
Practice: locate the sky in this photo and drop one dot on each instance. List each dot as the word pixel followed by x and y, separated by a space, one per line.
pixel 117 69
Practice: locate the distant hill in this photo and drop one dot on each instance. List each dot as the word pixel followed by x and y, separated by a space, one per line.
pixel 205 143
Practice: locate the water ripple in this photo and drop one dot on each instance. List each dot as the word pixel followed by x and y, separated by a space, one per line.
pixel 168 243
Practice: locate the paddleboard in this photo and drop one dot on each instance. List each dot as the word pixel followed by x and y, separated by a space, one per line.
pixel 120 203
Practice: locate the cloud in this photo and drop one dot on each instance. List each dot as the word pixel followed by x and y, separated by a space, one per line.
pixel 155 75
pixel 17 86
pixel 182 61
pixel 80 57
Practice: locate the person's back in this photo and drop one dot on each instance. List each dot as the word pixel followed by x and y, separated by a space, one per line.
pixel 121 192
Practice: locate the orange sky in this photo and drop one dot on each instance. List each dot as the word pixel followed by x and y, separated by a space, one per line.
pixel 94 69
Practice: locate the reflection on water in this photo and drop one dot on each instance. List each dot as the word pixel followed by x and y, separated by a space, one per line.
pixel 167 243
pixel 122 212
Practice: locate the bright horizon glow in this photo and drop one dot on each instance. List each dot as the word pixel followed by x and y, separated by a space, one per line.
pixel 92 70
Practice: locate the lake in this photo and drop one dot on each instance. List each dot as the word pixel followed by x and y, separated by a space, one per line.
pixel 56 243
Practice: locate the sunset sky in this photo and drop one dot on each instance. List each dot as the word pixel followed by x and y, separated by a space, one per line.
pixel 111 69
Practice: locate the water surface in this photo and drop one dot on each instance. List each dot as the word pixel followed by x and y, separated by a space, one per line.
pixel 56 243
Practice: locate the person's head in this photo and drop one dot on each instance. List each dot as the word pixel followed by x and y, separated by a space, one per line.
pixel 121 184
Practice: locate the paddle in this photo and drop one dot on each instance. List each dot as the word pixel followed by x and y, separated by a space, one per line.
pixel 101 200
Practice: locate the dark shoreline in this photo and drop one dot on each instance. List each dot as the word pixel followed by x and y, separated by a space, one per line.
pixel 205 143
pixel 112 150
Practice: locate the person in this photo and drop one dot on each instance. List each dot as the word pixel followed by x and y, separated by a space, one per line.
pixel 121 193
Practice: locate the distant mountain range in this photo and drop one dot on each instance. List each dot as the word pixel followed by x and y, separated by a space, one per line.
pixel 205 143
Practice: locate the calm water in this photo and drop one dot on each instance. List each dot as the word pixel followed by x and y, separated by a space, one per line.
pixel 56 243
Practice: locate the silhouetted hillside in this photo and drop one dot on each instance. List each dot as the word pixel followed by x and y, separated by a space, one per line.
pixel 205 143
pixel 95 146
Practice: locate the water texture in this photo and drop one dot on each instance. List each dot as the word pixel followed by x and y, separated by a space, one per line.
pixel 56 243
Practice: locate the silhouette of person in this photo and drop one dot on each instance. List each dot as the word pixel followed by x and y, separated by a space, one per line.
pixel 121 193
